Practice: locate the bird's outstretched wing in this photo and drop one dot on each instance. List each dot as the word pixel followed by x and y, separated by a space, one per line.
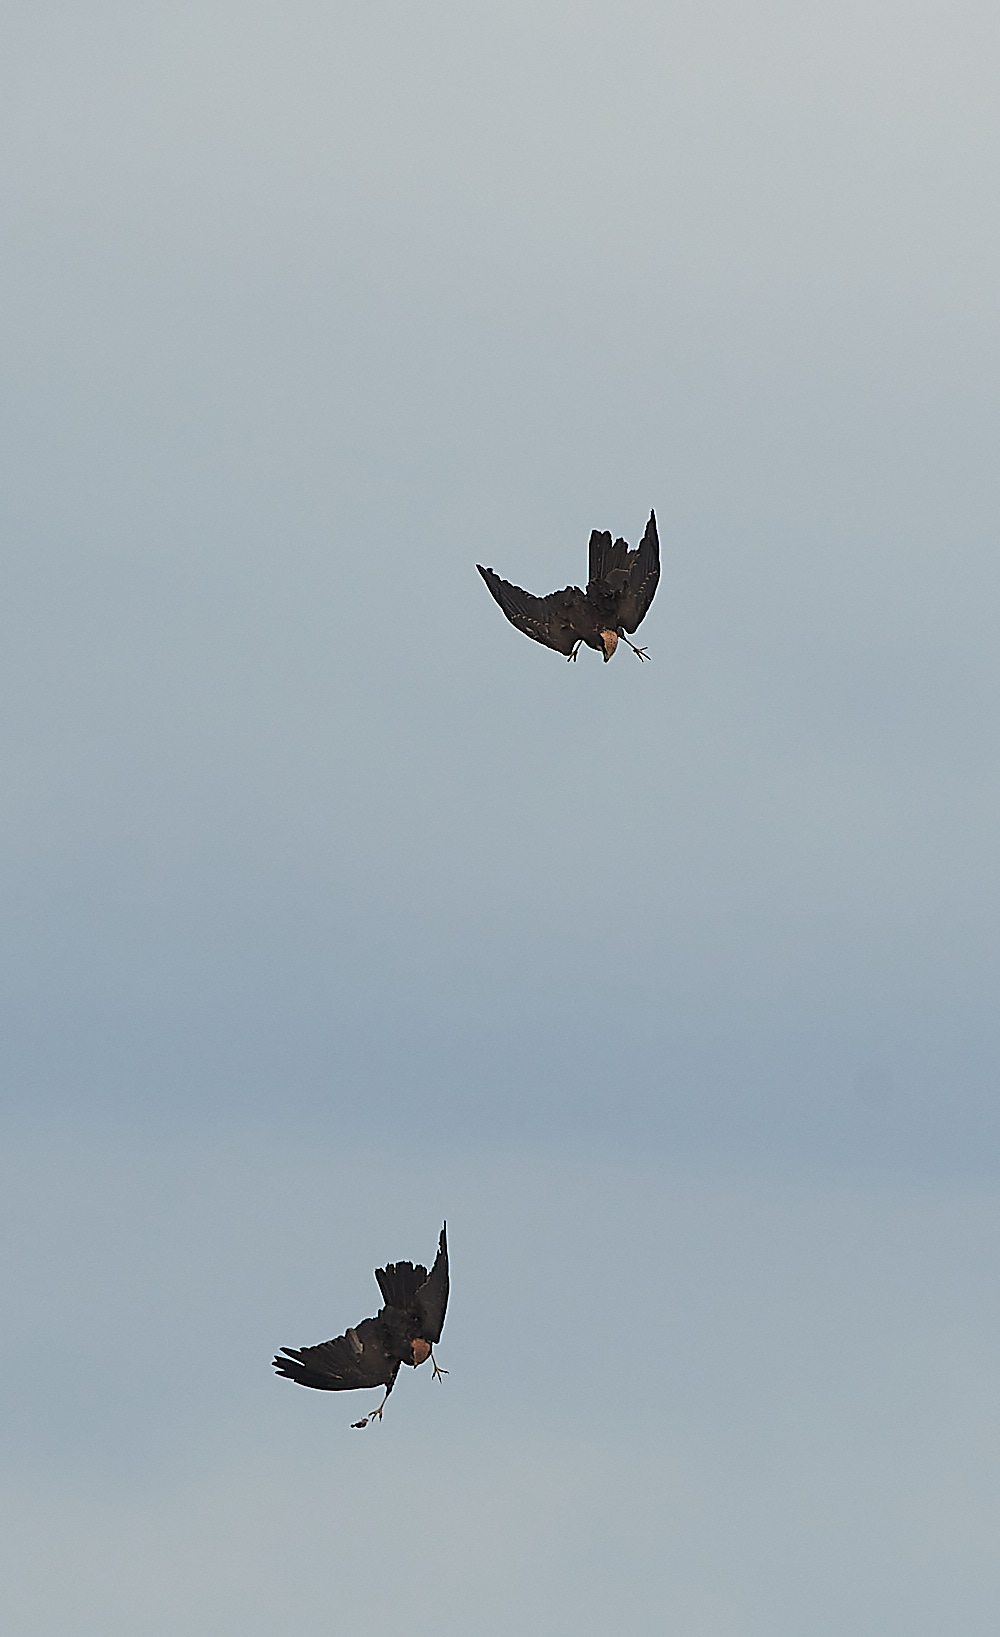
pixel 431 1299
pixel 558 620
pixel 357 1359
pixel 643 577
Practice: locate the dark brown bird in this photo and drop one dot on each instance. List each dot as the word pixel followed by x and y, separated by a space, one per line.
pixel 403 1332
pixel 619 592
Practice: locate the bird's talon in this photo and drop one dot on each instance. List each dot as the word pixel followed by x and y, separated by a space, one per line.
pixel 642 653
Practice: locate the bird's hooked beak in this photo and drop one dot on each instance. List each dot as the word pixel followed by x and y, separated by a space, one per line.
pixel 610 641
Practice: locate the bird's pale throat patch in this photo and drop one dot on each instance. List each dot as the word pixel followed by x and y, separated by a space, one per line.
pixel 421 1350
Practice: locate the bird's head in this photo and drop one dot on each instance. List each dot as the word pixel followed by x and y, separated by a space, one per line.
pixel 421 1350
pixel 610 642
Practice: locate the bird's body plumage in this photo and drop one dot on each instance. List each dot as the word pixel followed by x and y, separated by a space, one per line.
pixel 369 1354
pixel 620 588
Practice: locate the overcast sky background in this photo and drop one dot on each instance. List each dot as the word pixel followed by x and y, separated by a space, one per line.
pixel 332 907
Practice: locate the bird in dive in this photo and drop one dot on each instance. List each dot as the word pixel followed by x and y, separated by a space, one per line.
pixel 620 588
pixel 369 1355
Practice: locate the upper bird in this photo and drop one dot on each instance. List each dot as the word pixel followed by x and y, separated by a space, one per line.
pixel 619 592
pixel 402 1332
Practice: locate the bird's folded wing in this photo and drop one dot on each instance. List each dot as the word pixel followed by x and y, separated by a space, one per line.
pixel 432 1297
pixel 357 1359
pixel 643 578
pixel 548 620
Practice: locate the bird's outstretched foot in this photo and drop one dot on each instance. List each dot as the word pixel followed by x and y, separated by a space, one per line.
pixel 573 655
pixel 643 653
pixel 374 1415
pixel 438 1372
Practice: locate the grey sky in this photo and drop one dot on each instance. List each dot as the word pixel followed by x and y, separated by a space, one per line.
pixel 311 865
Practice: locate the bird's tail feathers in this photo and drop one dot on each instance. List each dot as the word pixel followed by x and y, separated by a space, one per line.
pixel 399 1282
pixel 607 560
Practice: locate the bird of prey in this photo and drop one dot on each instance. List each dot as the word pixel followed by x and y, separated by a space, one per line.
pixel 619 591
pixel 403 1332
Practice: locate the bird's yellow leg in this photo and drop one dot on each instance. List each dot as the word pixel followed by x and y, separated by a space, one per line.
pixel 643 653
pixel 438 1372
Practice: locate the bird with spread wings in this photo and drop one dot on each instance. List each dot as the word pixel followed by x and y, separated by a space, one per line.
pixel 369 1355
pixel 619 591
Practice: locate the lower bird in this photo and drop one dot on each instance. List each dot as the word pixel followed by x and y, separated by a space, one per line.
pixel 403 1332
pixel 620 588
